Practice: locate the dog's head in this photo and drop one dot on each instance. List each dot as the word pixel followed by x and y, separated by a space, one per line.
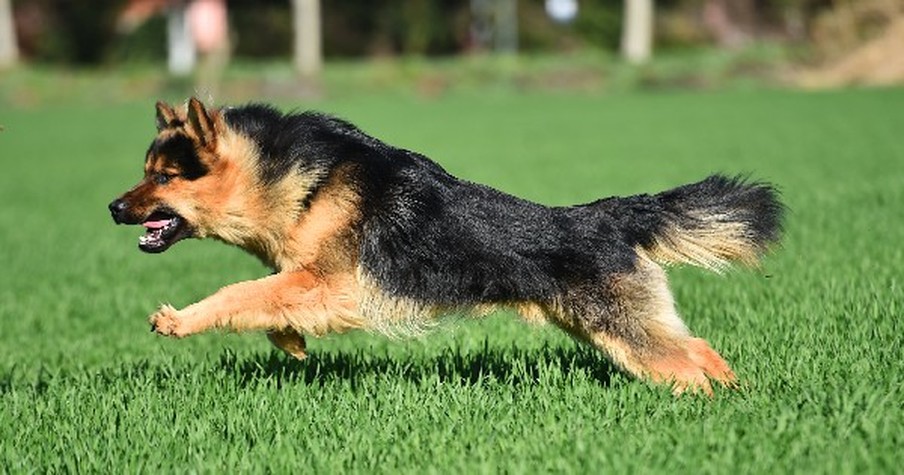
pixel 184 179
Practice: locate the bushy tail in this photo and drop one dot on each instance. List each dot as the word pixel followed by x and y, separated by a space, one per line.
pixel 708 224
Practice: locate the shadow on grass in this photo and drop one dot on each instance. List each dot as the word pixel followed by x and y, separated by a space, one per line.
pixel 512 366
pixel 509 366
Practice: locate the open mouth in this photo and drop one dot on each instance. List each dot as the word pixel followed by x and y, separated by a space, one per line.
pixel 163 230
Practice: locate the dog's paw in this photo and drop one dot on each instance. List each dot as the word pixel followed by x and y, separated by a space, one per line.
pixel 166 321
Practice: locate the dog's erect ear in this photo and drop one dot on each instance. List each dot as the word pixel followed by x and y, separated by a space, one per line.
pixel 166 116
pixel 200 123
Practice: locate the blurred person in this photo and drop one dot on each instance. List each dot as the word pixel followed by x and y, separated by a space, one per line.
pixel 209 25
pixel 206 25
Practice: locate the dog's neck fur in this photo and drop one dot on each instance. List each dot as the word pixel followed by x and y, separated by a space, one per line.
pixel 299 228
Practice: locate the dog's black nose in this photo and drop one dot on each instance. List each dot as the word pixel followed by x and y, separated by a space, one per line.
pixel 117 208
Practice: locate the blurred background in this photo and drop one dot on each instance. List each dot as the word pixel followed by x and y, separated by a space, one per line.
pixel 241 49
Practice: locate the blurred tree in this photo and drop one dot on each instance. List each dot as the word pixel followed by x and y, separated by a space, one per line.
pixel 9 52
pixel 731 23
pixel 87 33
pixel 418 23
pixel 83 30
pixel 308 49
pixel 637 31
pixel 494 24
pixel 599 23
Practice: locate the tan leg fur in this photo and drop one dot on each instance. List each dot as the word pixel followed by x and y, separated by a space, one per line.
pixel 291 300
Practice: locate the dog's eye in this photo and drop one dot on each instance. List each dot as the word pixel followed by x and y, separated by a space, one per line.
pixel 163 178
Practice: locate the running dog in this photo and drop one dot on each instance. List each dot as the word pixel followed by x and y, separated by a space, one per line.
pixel 363 235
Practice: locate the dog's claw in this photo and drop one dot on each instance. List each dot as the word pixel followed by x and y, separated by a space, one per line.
pixel 166 322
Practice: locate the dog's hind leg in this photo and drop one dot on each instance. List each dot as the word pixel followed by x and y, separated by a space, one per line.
pixel 297 301
pixel 632 318
pixel 289 341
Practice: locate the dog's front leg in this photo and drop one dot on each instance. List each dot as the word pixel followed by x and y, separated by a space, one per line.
pixel 290 300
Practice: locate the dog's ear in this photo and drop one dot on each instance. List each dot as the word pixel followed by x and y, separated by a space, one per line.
pixel 166 116
pixel 200 124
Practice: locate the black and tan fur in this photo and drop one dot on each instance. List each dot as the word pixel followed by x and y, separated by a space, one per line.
pixel 363 235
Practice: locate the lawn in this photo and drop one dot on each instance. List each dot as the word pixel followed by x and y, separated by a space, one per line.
pixel 815 335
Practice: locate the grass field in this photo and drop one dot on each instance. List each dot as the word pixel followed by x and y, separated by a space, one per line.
pixel 816 335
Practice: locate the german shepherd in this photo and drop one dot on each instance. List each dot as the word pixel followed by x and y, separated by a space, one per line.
pixel 363 235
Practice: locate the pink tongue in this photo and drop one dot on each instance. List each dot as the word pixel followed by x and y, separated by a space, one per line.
pixel 156 224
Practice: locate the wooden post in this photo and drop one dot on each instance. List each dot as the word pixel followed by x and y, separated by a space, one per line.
pixel 9 51
pixel 308 49
pixel 637 31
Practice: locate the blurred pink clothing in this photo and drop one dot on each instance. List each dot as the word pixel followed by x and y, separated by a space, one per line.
pixel 208 22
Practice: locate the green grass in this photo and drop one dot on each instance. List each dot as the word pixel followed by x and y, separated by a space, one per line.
pixel 815 336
